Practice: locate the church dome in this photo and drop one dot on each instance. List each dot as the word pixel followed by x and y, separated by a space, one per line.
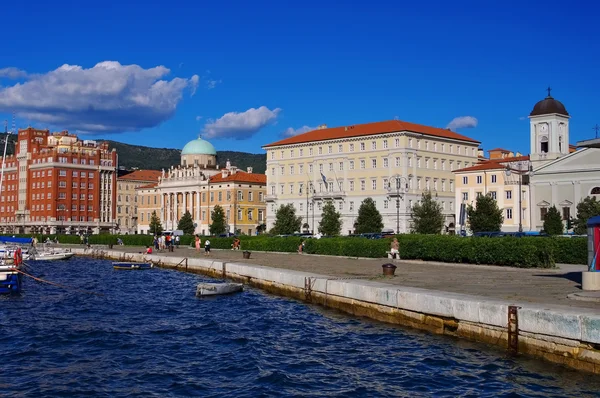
pixel 549 106
pixel 199 147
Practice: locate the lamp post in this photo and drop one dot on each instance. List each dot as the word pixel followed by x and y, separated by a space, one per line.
pixel 520 173
pixel 397 190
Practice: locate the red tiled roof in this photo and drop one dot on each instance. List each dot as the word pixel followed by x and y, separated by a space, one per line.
pixel 142 175
pixel 367 129
pixel 240 176
pixel 153 185
pixel 499 150
pixel 494 164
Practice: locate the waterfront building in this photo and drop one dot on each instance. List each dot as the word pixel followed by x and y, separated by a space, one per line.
pixel 197 185
pixel 393 162
pixel 554 174
pixel 148 198
pixel 127 200
pixel 56 183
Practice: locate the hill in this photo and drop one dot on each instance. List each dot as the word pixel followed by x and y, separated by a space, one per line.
pixel 144 157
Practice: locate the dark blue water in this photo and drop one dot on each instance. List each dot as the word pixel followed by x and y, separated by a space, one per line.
pixel 148 335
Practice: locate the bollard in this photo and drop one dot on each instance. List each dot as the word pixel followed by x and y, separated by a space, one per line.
pixel 246 254
pixel 389 269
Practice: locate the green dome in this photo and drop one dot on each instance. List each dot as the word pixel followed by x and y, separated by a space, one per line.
pixel 198 147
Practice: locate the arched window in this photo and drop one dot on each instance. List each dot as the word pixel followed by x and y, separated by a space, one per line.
pixel 560 142
pixel 544 145
pixel 595 191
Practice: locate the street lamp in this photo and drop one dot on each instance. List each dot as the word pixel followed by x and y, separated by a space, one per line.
pixel 397 190
pixel 520 173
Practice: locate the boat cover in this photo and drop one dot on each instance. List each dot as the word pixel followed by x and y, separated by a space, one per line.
pixel 13 239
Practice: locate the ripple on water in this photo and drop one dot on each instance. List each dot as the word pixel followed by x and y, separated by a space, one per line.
pixel 147 335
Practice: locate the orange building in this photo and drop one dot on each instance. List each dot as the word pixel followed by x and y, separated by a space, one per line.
pixel 56 183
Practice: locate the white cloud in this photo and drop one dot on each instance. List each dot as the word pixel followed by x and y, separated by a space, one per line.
pixel 198 118
pixel 108 97
pixel 462 122
pixel 210 83
pixel 290 131
pixel 13 73
pixel 523 118
pixel 240 125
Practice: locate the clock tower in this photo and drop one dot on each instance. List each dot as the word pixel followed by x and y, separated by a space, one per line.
pixel 549 130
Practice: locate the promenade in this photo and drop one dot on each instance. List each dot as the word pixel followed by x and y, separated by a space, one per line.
pixel 539 286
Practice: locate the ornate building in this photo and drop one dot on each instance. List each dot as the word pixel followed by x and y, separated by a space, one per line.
pixel 56 183
pixel 197 185
pixel 127 199
pixel 392 162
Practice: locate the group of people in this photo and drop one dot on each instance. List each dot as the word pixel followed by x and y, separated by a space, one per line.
pixel 198 244
pixel 394 249
pixel 163 242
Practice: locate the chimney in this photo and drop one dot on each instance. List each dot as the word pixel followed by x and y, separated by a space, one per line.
pixel 249 170
pixel 228 164
pixel 322 127
pixel 345 128
pixel 223 173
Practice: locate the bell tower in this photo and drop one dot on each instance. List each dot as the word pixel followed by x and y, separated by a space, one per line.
pixel 549 130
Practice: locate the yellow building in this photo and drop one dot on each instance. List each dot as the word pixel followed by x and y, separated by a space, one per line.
pixel 491 178
pixel 197 185
pixel 148 200
pixel 127 200
pixel 387 161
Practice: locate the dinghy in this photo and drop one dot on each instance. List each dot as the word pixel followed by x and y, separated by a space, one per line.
pixel 132 266
pixel 215 289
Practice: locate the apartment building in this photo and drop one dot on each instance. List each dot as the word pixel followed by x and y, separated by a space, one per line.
pixel 500 177
pixel 393 162
pixel 56 183
pixel 148 200
pixel 127 200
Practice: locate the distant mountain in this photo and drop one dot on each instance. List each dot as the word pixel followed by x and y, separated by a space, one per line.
pixel 158 158
pixel 144 157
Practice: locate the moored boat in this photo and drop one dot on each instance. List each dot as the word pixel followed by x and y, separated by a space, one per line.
pixel 50 255
pixel 215 289
pixel 131 266
pixel 10 278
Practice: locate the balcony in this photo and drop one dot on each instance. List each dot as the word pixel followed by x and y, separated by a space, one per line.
pixel 328 195
pixel 270 198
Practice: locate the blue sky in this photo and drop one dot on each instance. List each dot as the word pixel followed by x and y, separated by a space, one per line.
pixel 280 66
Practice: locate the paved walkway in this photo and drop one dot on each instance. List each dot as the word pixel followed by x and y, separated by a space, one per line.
pixel 512 284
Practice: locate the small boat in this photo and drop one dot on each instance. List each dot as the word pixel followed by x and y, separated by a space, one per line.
pixel 214 289
pixel 10 279
pixel 124 265
pixel 51 255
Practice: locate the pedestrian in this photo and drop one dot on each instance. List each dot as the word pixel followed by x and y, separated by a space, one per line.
pixel 395 249
pixel 81 239
pixel 207 247
pixel 198 244
pixel 177 241
pixel 301 248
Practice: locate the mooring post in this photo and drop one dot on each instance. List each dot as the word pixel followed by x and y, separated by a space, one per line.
pixel 513 329
pixel 224 270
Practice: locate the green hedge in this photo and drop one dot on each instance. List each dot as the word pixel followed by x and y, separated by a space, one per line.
pixel 517 252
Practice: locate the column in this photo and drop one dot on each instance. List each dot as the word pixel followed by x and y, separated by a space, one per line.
pixel 185 202
pixel 162 206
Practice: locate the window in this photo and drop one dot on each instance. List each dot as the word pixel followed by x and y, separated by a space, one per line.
pixel 362 164
pixel 239 214
pixel 543 212
pixel 351 147
pixel 62 184
pixel 330 166
pixel 240 195
pixel 273 171
pixel 281 154
pixel 301 169
pixel 250 215
pixel 595 191
pixel 509 215
pixel 340 148
pixel 83 174
pixel 282 170
pixel 566 213
pixel 310 151
pixel 465 180
pixel 321 167
pixel 260 197
pixel 385 144
pixel 320 150
pixel 330 186
pixel 351 206
pixel 362 185
pixel 362 146
pixel 374 163
pixel 479 179
pixel 374 145
pixel 62 173
pixel 493 194
pixel 385 163
pixel 397 142
pixel 330 149
pixel 341 166
pixel 301 152
pixel 351 185
pixel 493 178
pixel 341 205
pixel 291 189
pixel 310 168
pixel 508 194
pixel 397 162
pixel 465 196
pixel 250 196
pixel 292 153
pixel 291 170
pixel 374 185
pixel 385 204
pixel 272 155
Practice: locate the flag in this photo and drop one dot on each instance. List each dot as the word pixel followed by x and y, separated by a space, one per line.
pixel 324 180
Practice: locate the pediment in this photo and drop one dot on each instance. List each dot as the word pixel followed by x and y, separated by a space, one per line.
pixel 543 203
pixel 566 203
pixel 587 160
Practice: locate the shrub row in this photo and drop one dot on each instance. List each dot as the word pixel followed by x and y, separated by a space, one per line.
pixel 517 252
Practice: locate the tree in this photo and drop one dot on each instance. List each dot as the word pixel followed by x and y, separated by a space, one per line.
pixel 218 221
pixel 286 222
pixel 586 209
pixel 330 224
pixel 369 219
pixel 485 216
pixel 186 224
pixel 155 225
pixel 553 222
pixel 427 216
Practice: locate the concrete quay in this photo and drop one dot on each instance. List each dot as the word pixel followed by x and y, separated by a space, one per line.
pixel 538 326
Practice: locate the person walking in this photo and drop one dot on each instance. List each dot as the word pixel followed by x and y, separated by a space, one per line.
pixel 395 249
pixel 207 247
pixel 198 244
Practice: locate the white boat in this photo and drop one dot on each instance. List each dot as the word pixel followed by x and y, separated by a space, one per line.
pixel 51 255
pixel 214 289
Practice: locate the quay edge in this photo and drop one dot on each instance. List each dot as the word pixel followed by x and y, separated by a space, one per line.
pixel 559 334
